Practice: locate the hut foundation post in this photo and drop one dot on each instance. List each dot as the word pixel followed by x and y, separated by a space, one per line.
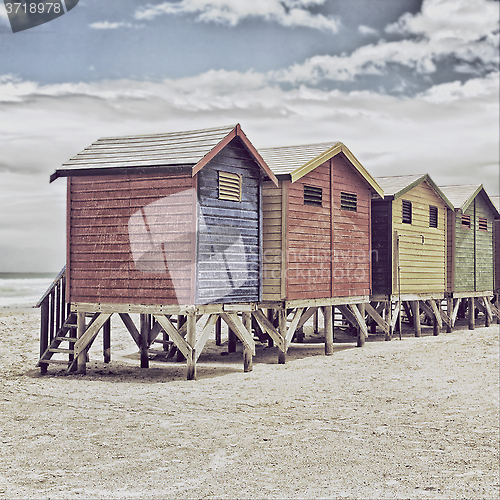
pixel 282 331
pixel 497 305
pixel 218 331
pixel 231 340
pixel 81 361
pixel 191 340
pixel 449 311
pixel 471 313
pixel 106 341
pixel 270 317
pixel 435 323
pixel 416 318
pixel 181 319
pixel 165 338
pixel 44 332
pixel 388 319
pixel 247 353
pixel 488 318
pixel 328 330
pixel 316 322
pixel 145 327
pixel 361 333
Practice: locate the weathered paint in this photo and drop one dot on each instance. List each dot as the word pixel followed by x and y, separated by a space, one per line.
pixel 317 251
pixel 228 262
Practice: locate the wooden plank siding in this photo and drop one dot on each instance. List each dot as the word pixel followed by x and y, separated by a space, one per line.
pixel 272 241
pixel 313 251
pixel 484 274
pixel 228 265
pixel 308 252
pixel 381 247
pixel 497 254
pixel 351 231
pixel 422 249
pixel 131 239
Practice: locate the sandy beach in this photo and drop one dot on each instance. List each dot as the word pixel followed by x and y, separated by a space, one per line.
pixel 412 418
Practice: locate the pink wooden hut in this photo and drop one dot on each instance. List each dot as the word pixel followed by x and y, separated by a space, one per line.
pixel 164 224
pixel 316 233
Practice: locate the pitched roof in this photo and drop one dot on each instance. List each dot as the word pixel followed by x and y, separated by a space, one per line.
pixel 297 161
pixel 192 148
pixel 397 185
pixel 461 196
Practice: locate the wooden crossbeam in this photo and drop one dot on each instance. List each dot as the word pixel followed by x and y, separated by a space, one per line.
pixel 348 314
pixel 234 322
pixel 359 318
pixel 268 327
pixel 495 310
pixel 293 326
pixel 455 312
pixel 395 315
pixel 174 334
pixel 487 307
pixel 427 309
pixel 129 324
pixel 436 311
pixel 90 333
pixel 305 316
pixel 205 334
pixel 374 314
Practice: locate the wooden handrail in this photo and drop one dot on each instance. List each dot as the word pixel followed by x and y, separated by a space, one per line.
pixel 57 279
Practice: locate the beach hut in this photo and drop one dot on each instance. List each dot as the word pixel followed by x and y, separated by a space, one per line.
pixel 162 225
pixel 316 237
pixel 470 249
pixel 409 249
pixel 496 240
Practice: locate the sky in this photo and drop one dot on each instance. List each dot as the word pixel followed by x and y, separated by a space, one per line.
pixel 409 86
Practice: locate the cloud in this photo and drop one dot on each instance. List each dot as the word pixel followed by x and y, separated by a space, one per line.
pixel 290 13
pixel 106 25
pixel 461 30
pixel 367 31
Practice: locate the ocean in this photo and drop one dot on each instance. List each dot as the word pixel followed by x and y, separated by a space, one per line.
pixel 20 290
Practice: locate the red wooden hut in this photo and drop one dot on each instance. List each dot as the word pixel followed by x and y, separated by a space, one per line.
pixel 317 245
pixel 165 224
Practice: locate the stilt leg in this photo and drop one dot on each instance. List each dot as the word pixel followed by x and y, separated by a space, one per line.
pixel 144 340
pixel 329 330
pixel 106 341
pixel 472 316
pixel 416 318
pixel 181 319
pixel 191 340
pixel 388 319
pixel 231 342
pixel 449 307
pixel 218 331
pixel 81 361
pixel 282 331
pixel 361 335
pixel 247 353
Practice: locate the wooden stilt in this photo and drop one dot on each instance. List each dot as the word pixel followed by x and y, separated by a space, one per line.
pixel 191 340
pixel 282 330
pixel 361 333
pixel 316 321
pixel 247 352
pixel 231 340
pixel 449 310
pixel 471 309
pixel 329 330
pixel 44 332
pixel 218 332
pixel 106 341
pixel 270 317
pixel 408 312
pixel 165 338
pixel 416 318
pixel 181 319
pixel 388 320
pixel 81 362
pixel 144 331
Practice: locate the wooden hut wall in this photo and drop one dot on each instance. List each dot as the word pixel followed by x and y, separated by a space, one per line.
pixel 308 238
pixel 351 231
pixel 451 227
pixel 131 239
pixel 228 262
pixel 497 254
pixel 473 249
pixel 422 249
pixel 273 254
pixel 381 247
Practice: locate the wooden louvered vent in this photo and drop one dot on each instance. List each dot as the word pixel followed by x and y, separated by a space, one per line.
pixel 466 221
pixel 433 216
pixel 229 186
pixel 406 219
pixel 313 195
pixel 483 224
pixel 349 201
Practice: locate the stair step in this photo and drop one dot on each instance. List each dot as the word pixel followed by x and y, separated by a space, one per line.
pixel 65 351
pixel 67 339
